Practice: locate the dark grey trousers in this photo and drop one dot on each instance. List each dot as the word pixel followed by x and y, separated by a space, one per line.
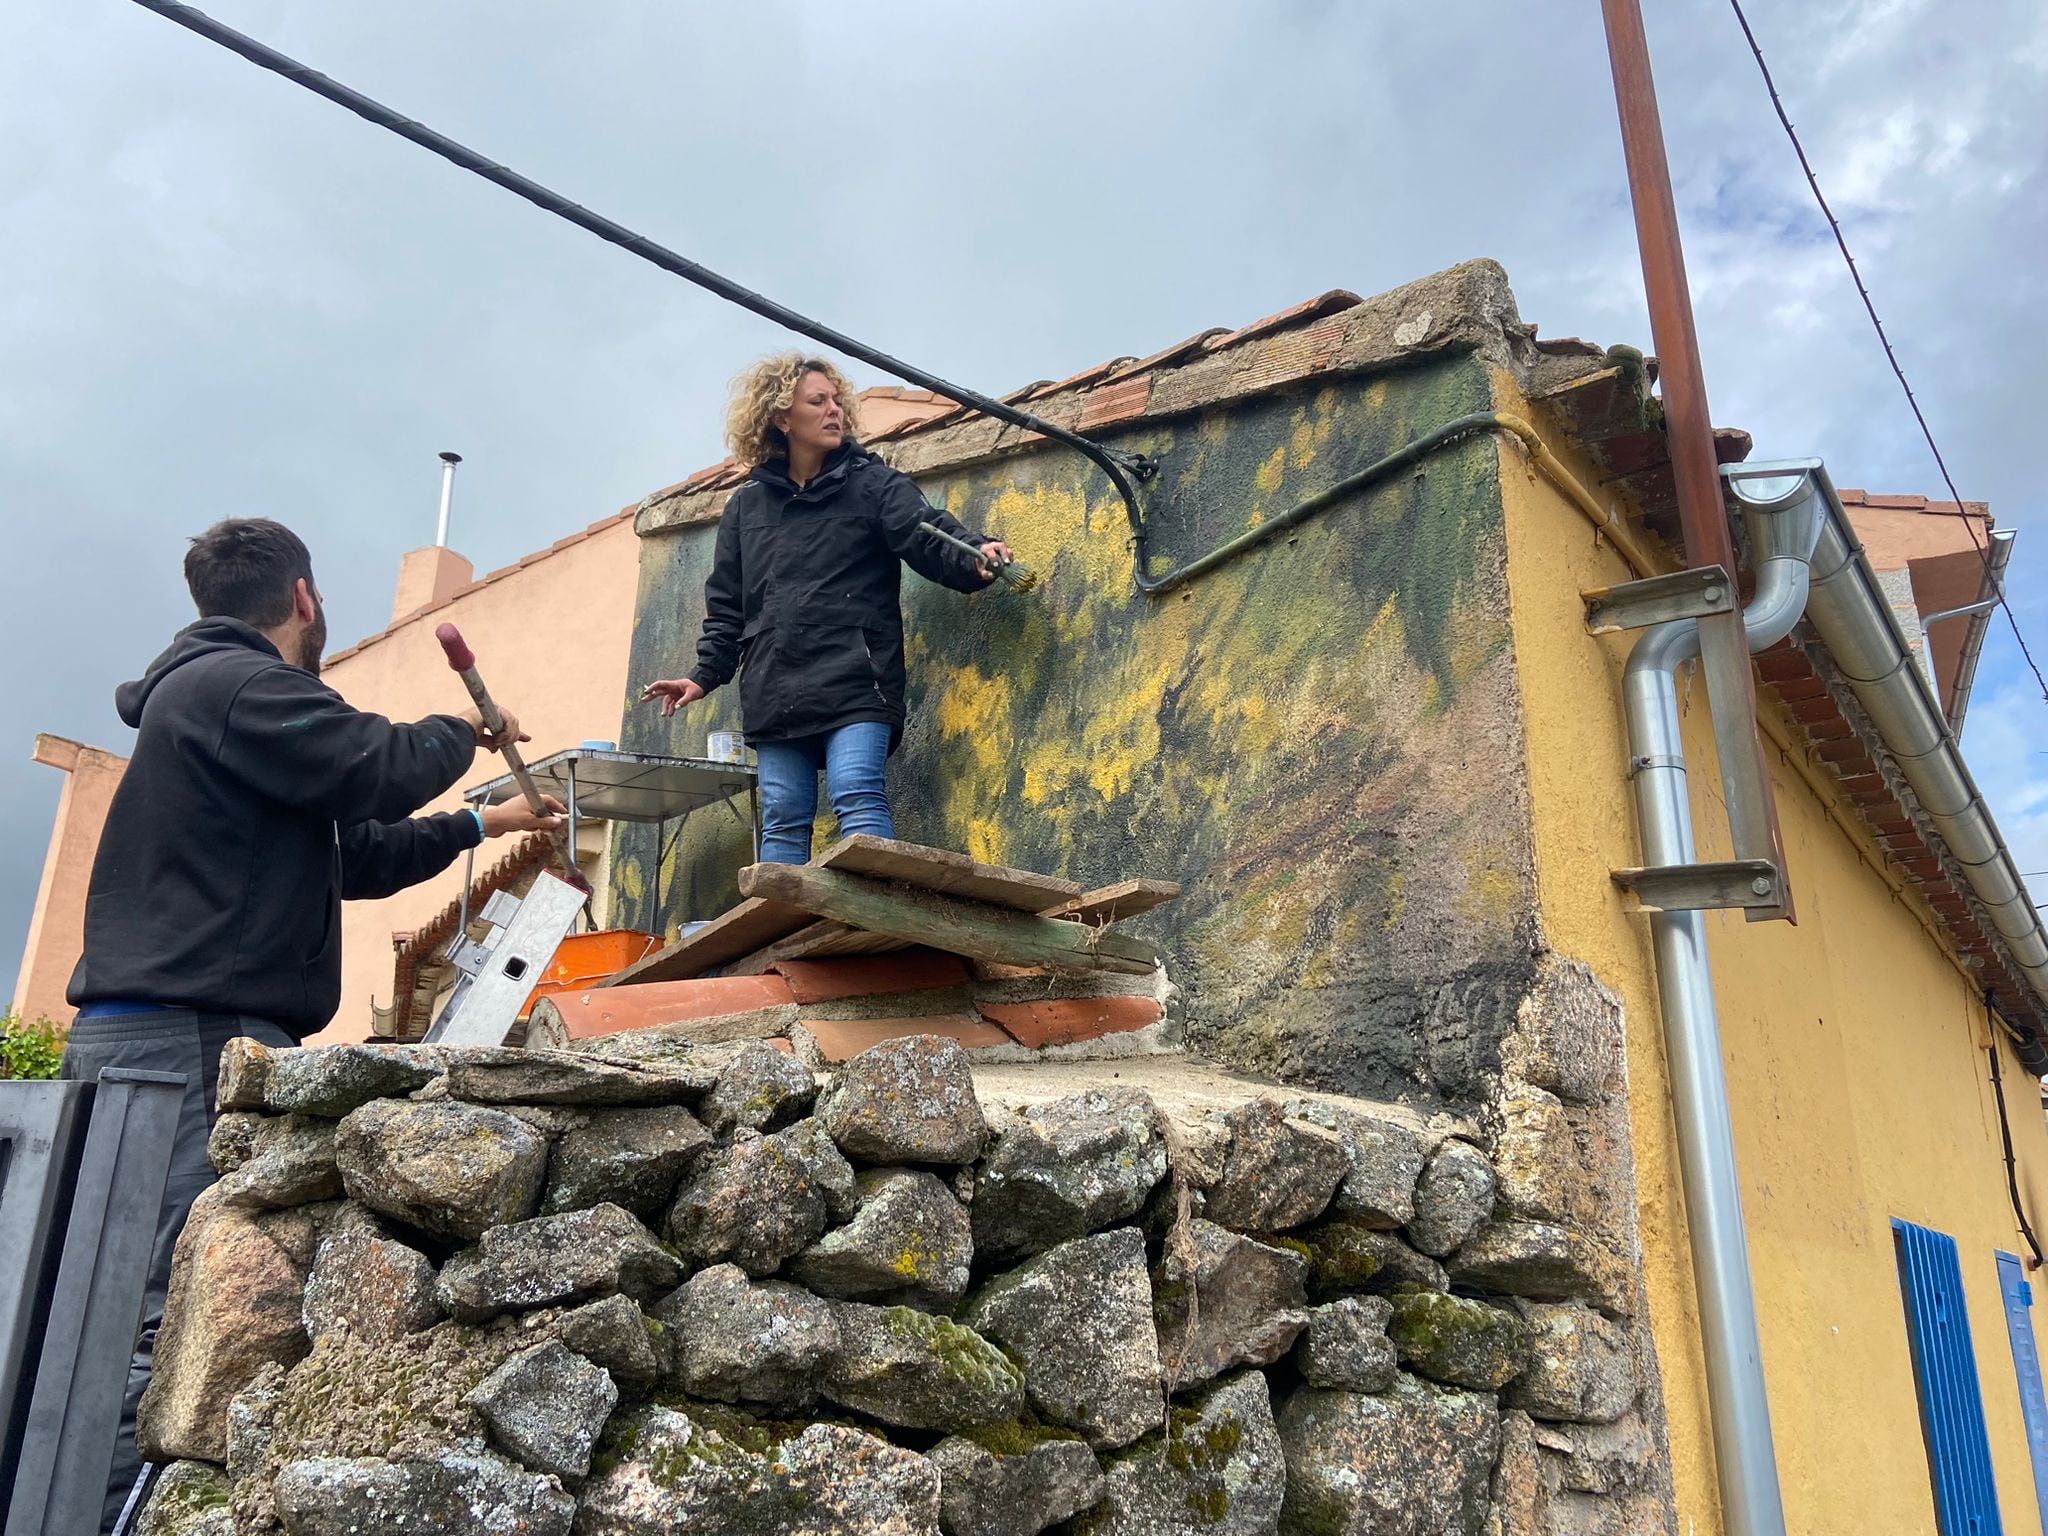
pixel 181 1041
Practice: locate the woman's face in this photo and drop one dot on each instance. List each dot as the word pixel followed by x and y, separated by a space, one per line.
pixel 814 420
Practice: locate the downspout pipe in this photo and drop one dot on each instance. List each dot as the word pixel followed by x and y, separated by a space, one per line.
pixel 1995 562
pixel 1784 517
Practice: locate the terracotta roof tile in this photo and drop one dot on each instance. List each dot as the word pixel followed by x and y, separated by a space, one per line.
pixel 1076 380
pixel 901 428
pixel 1308 309
pixel 1862 498
pixel 1179 351
pixel 1116 402
pixel 1070 1020
pixel 829 978
pixel 703 477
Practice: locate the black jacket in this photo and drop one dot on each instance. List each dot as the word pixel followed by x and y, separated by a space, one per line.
pixel 255 801
pixel 802 597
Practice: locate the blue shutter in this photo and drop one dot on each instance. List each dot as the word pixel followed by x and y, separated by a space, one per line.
pixel 2026 1364
pixel 1945 1369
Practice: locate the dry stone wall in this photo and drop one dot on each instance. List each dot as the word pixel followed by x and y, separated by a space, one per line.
pixel 498 1291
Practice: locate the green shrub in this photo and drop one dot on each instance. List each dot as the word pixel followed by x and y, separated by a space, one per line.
pixel 29 1049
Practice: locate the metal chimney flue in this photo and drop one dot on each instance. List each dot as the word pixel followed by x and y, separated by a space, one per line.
pixel 448 463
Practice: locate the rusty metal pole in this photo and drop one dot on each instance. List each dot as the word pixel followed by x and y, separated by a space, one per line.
pixel 1745 1458
pixel 1689 434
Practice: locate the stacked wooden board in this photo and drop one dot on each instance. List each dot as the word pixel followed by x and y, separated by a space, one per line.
pixel 872 895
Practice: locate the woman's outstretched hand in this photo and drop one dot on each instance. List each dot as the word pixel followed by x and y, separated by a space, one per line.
pixel 997 553
pixel 674 693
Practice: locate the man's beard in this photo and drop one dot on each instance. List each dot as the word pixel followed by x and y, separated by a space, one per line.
pixel 313 642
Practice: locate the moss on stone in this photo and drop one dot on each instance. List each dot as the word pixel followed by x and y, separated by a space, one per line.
pixel 963 1355
pixel 1291 1244
pixel 1191 1448
pixel 1170 1291
pixel 398 1399
pixel 1210 1504
pixel 183 1500
pixel 1429 1323
pixel 1016 1437
pixel 1342 1256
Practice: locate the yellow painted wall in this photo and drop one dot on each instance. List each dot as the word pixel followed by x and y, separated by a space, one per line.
pixel 1857 1078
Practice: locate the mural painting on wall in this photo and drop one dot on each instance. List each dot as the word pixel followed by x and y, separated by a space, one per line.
pixel 1320 739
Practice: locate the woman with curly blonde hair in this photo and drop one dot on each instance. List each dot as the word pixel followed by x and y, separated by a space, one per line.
pixel 802 600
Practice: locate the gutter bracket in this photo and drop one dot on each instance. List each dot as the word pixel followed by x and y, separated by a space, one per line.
pixel 1748 883
pixel 1693 593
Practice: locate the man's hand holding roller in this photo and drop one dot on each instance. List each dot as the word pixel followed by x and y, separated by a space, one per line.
pixel 516 815
pixel 495 741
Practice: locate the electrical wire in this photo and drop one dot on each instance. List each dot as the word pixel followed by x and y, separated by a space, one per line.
pixel 2012 1183
pixel 1124 470
pixel 1870 308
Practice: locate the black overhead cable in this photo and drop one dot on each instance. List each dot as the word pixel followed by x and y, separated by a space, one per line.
pixel 1123 469
pixel 2012 1183
pixel 1997 586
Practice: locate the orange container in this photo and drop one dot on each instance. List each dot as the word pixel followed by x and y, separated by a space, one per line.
pixel 585 959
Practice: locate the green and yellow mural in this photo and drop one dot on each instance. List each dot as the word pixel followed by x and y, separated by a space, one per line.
pixel 1321 739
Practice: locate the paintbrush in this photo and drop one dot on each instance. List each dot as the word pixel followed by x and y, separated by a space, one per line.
pixel 1014 574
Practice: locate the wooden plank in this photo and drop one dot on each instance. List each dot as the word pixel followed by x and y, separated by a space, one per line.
pixel 850 941
pixel 739 931
pixel 945 922
pixel 1113 903
pixel 945 871
pixel 820 940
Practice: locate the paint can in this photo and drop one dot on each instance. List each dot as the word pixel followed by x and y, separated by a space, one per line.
pixel 726 747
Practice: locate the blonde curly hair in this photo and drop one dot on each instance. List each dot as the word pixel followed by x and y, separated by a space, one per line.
pixel 769 388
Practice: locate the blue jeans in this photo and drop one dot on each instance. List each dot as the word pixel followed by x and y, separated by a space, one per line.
pixel 853 758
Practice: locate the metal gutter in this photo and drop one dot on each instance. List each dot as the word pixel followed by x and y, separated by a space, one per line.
pixel 1849 613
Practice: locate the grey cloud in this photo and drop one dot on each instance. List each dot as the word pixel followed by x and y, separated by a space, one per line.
pixel 219 295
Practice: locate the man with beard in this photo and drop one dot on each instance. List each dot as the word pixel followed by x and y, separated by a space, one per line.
pixel 256 800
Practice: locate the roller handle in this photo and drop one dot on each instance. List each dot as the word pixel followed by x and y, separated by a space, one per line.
pixel 463 660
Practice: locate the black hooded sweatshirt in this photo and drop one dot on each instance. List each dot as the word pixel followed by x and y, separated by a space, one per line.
pixel 256 800
pixel 802 599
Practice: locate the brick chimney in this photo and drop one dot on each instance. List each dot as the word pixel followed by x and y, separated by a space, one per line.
pixel 428 576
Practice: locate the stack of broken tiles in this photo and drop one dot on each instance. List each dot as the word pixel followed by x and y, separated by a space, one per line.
pixel 875 940
pixel 829 1010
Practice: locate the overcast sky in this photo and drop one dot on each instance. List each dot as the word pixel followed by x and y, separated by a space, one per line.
pixel 220 295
